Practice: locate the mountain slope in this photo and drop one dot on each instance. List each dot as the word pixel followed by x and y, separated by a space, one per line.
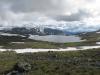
pixel 33 31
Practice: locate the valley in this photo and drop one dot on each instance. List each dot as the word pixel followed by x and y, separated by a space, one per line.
pixel 47 41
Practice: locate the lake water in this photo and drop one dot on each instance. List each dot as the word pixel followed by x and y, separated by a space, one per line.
pixel 56 38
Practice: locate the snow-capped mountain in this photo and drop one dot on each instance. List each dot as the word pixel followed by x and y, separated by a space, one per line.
pixel 41 28
pixel 32 31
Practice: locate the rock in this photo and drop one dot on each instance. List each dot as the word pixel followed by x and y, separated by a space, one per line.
pixel 22 67
pixel 14 73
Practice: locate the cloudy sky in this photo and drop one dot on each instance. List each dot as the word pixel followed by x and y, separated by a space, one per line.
pixel 49 11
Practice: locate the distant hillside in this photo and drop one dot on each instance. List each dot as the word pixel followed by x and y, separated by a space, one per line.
pixel 91 36
pixel 33 31
pixel 49 31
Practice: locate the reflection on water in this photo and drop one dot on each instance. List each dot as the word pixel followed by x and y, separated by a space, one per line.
pixel 56 38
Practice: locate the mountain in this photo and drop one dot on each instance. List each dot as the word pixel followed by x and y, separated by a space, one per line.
pixel 33 31
pixel 71 27
pixel 49 31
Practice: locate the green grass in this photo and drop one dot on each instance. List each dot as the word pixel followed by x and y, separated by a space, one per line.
pixel 55 63
pixel 92 36
pixel 47 45
pixel 84 43
pixel 5 41
pixel 32 45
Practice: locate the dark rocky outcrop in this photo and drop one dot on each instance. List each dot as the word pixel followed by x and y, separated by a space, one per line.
pixel 20 68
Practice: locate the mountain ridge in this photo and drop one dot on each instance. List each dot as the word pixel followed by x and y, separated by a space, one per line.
pixel 74 27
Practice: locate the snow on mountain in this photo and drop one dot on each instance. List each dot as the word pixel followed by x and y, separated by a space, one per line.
pixel 65 26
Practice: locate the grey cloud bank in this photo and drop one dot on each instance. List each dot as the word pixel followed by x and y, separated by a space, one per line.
pixel 73 17
pixel 13 12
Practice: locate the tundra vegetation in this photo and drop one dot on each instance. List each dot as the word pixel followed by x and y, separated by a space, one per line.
pixel 85 62
pixel 6 42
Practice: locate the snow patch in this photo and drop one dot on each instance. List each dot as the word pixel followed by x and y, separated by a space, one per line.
pixel 98 32
pixel 29 50
pixel 17 42
pixel 8 34
pixel 98 43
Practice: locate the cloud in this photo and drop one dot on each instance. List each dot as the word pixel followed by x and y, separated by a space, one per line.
pixel 73 17
pixel 45 6
pixel 18 11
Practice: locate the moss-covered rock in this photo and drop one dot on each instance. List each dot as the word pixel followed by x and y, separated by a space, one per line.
pixel 20 68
